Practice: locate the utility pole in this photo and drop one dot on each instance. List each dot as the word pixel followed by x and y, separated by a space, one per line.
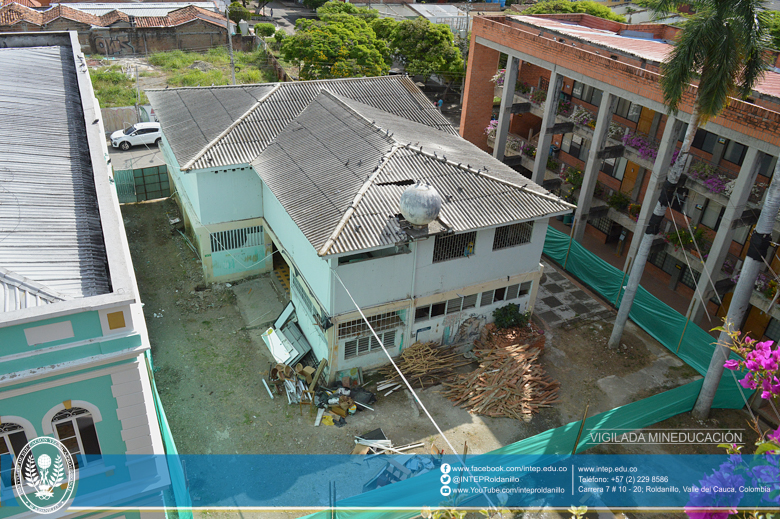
pixel 230 44
pixel 137 96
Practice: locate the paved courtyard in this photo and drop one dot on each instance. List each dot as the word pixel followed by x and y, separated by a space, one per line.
pixel 560 302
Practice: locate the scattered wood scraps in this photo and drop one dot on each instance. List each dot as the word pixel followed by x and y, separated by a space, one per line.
pixel 423 365
pixel 510 381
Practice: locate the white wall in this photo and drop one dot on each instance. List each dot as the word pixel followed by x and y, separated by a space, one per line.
pixel 236 194
pixel 376 281
pixel 313 268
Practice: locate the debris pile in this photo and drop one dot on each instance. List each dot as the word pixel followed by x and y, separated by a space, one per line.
pixel 510 381
pixel 423 365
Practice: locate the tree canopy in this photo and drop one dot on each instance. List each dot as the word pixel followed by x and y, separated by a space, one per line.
pixel 426 48
pixel 314 4
pixel 773 19
pixel 722 45
pixel 583 6
pixel 344 46
pixel 332 8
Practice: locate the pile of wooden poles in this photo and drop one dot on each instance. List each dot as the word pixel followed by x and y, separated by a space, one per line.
pixel 423 365
pixel 510 382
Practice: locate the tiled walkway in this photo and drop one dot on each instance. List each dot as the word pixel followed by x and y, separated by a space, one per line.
pixel 559 302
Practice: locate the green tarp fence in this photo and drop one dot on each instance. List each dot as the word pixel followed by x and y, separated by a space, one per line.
pixel 181 495
pixel 656 318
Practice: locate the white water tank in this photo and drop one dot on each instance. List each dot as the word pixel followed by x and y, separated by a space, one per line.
pixel 420 204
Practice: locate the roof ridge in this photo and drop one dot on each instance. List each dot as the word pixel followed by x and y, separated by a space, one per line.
pixel 227 130
pixel 356 201
pixel 12 278
pixel 483 173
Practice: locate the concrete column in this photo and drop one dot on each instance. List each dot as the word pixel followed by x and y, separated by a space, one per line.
pixel 548 121
pixel 720 245
pixel 657 178
pixel 478 98
pixel 591 173
pixel 504 114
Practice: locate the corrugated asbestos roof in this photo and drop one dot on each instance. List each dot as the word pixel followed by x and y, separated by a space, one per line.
pixel 18 292
pixel 333 157
pixel 191 122
pixel 50 230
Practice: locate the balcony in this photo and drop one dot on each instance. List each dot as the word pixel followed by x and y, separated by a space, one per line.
pixel 717 184
pixel 522 151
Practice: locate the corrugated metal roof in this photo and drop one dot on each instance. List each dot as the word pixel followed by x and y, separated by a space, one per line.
pixel 50 230
pixel 333 157
pixel 186 129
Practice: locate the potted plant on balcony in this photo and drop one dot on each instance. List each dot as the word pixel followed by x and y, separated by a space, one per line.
pixel 619 201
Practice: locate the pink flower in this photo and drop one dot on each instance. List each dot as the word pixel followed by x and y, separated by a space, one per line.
pixel 748 382
pixel 731 364
pixel 774 436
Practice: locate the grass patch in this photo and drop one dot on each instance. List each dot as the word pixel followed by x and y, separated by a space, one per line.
pixel 113 87
pixel 251 67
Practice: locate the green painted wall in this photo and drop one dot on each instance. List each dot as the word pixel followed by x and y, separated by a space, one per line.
pixel 86 325
pixel 97 391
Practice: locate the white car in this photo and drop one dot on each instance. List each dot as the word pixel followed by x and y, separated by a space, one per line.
pixel 137 134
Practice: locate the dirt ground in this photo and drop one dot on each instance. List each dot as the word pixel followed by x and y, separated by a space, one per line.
pixel 209 370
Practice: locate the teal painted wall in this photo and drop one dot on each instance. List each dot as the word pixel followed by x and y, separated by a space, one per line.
pixel 229 196
pixel 313 268
pixel 234 261
pixel 86 325
pixel 97 391
pixel 185 184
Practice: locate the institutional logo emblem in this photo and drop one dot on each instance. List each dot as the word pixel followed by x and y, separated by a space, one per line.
pixel 45 476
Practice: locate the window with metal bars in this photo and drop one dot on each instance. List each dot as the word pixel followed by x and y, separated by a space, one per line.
pixel 367 344
pixel 454 246
pixel 603 224
pixel 379 323
pixel 690 277
pixel 76 430
pixel 236 238
pixel 773 330
pixel 657 258
pixel 512 235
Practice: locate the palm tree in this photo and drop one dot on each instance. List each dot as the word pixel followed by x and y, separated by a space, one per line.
pixel 722 46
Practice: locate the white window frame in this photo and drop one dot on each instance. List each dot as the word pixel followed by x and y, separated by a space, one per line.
pixel 72 419
pixel 370 340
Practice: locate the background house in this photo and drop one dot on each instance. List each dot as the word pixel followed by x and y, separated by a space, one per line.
pixel 72 332
pixel 307 177
pixel 125 29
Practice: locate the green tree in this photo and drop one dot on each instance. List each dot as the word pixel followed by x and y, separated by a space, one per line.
pixel 383 27
pixel 773 19
pixel 722 46
pixel 345 46
pixel 238 12
pixel 331 8
pixel 265 29
pixel 583 6
pixel 314 4
pixel 426 48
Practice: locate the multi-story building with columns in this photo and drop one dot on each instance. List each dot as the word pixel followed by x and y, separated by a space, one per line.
pixel 609 123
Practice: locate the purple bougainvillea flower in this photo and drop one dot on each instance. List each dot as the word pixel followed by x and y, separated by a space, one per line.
pixel 731 364
pixel 748 382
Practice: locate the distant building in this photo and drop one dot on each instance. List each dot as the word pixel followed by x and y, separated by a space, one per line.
pixel 307 177
pixel 73 336
pixel 575 70
pixel 127 29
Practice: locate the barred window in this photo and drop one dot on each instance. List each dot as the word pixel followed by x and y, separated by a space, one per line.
pixel 236 238
pixel 773 330
pixel 454 246
pixel 297 288
pixel 379 323
pixel 367 344
pixel 690 277
pixel 603 224
pixel 512 235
